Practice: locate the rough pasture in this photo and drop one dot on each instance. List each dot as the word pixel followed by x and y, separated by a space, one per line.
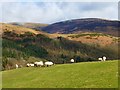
pixel 77 75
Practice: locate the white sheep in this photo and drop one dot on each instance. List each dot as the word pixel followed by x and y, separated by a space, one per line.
pixel 100 59
pixel 48 63
pixel 39 63
pixel 16 66
pixel 72 60
pixel 28 64
pixel 32 65
pixel 104 58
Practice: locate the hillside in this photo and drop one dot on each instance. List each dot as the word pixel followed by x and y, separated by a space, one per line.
pixel 95 38
pixel 90 38
pixel 84 25
pixel 79 75
pixel 21 45
pixel 36 26
pixel 20 48
pixel 17 29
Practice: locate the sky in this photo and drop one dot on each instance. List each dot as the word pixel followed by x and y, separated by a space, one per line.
pixel 51 12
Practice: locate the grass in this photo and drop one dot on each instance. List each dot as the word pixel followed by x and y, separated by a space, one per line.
pixel 88 34
pixel 18 29
pixel 77 75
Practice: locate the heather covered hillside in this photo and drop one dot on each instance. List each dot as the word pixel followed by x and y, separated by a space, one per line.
pixel 84 25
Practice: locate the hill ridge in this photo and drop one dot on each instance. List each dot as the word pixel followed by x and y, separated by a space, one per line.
pixel 84 25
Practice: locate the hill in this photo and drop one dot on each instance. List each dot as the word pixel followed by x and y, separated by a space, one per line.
pixel 36 26
pixel 17 29
pixel 99 39
pixel 84 25
pixel 22 45
pixel 78 75
pixel 20 48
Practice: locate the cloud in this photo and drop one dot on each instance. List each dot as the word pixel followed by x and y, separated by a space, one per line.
pixel 59 1
pixel 50 12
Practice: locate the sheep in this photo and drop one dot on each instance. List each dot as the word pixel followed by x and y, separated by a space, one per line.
pixel 72 60
pixel 28 64
pixel 39 63
pixel 104 58
pixel 48 63
pixel 16 66
pixel 32 65
pixel 100 59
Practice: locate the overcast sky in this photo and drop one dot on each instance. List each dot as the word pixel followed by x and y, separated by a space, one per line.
pixel 50 12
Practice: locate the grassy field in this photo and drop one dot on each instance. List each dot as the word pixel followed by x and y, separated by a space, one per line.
pixel 77 75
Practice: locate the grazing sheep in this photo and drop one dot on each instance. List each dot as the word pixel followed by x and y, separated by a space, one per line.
pixel 104 58
pixel 28 64
pixel 72 60
pixel 39 64
pixel 48 63
pixel 16 65
pixel 100 59
pixel 32 65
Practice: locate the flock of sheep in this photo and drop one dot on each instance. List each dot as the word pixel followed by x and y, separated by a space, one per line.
pixel 37 64
pixel 40 64
pixel 49 63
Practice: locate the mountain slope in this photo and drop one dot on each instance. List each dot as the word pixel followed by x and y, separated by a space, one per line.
pixel 17 29
pixel 20 48
pixel 23 45
pixel 84 25
pixel 36 26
